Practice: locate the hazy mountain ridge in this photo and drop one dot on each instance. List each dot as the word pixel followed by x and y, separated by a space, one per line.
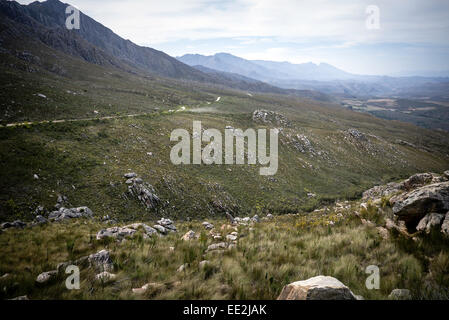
pixel 309 76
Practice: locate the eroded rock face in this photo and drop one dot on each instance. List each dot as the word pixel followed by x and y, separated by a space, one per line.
pixel 414 205
pixel 145 193
pixel 72 213
pixel 317 288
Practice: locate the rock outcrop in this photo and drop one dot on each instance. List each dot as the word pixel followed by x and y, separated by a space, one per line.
pixel 126 231
pixel 72 213
pixel 317 288
pixel 141 190
pixel 414 205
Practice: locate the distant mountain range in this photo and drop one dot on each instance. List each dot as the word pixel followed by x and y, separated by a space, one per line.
pixel 267 70
pixel 320 77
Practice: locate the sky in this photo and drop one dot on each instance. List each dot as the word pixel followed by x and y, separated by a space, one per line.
pixel 400 37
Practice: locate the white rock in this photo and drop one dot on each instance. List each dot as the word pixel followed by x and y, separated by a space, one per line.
pixel 317 288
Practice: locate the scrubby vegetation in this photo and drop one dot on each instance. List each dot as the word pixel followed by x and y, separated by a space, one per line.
pixel 268 255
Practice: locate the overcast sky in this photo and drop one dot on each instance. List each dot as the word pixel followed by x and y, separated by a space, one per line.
pixel 413 34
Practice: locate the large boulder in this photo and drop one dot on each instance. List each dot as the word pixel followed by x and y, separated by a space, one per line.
pixel 414 205
pixel 317 288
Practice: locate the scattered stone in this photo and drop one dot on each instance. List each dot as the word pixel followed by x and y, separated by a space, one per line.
pixel 45 277
pixel 216 246
pixel 130 175
pixel 161 229
pixel 40 220
pixel 400 294
pixel 145 287
pixel 271 117
pixel 20 298
pixel 73 213
pixel 270 216
pixel 36 177
pixel 101 261
pixel 317 288
pixel 190 235
pixel 14 224
pixel 208 225
pixel 430 221
pixel 311 195
pixel 167 224
pixel 203 263
pixel 105 276
pixel 255 218
pixel 356 134
pixel 231 237
pixel 182 268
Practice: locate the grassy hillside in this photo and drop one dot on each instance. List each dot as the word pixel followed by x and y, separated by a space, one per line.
pixel 267 256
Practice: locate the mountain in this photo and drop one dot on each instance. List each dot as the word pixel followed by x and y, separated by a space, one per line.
pixel 309 71
pixel 229 63
pixel 321 77
pixel 44 22
pixel 266 70
pixel 93 42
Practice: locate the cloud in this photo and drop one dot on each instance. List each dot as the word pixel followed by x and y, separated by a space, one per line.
pixel 277 29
